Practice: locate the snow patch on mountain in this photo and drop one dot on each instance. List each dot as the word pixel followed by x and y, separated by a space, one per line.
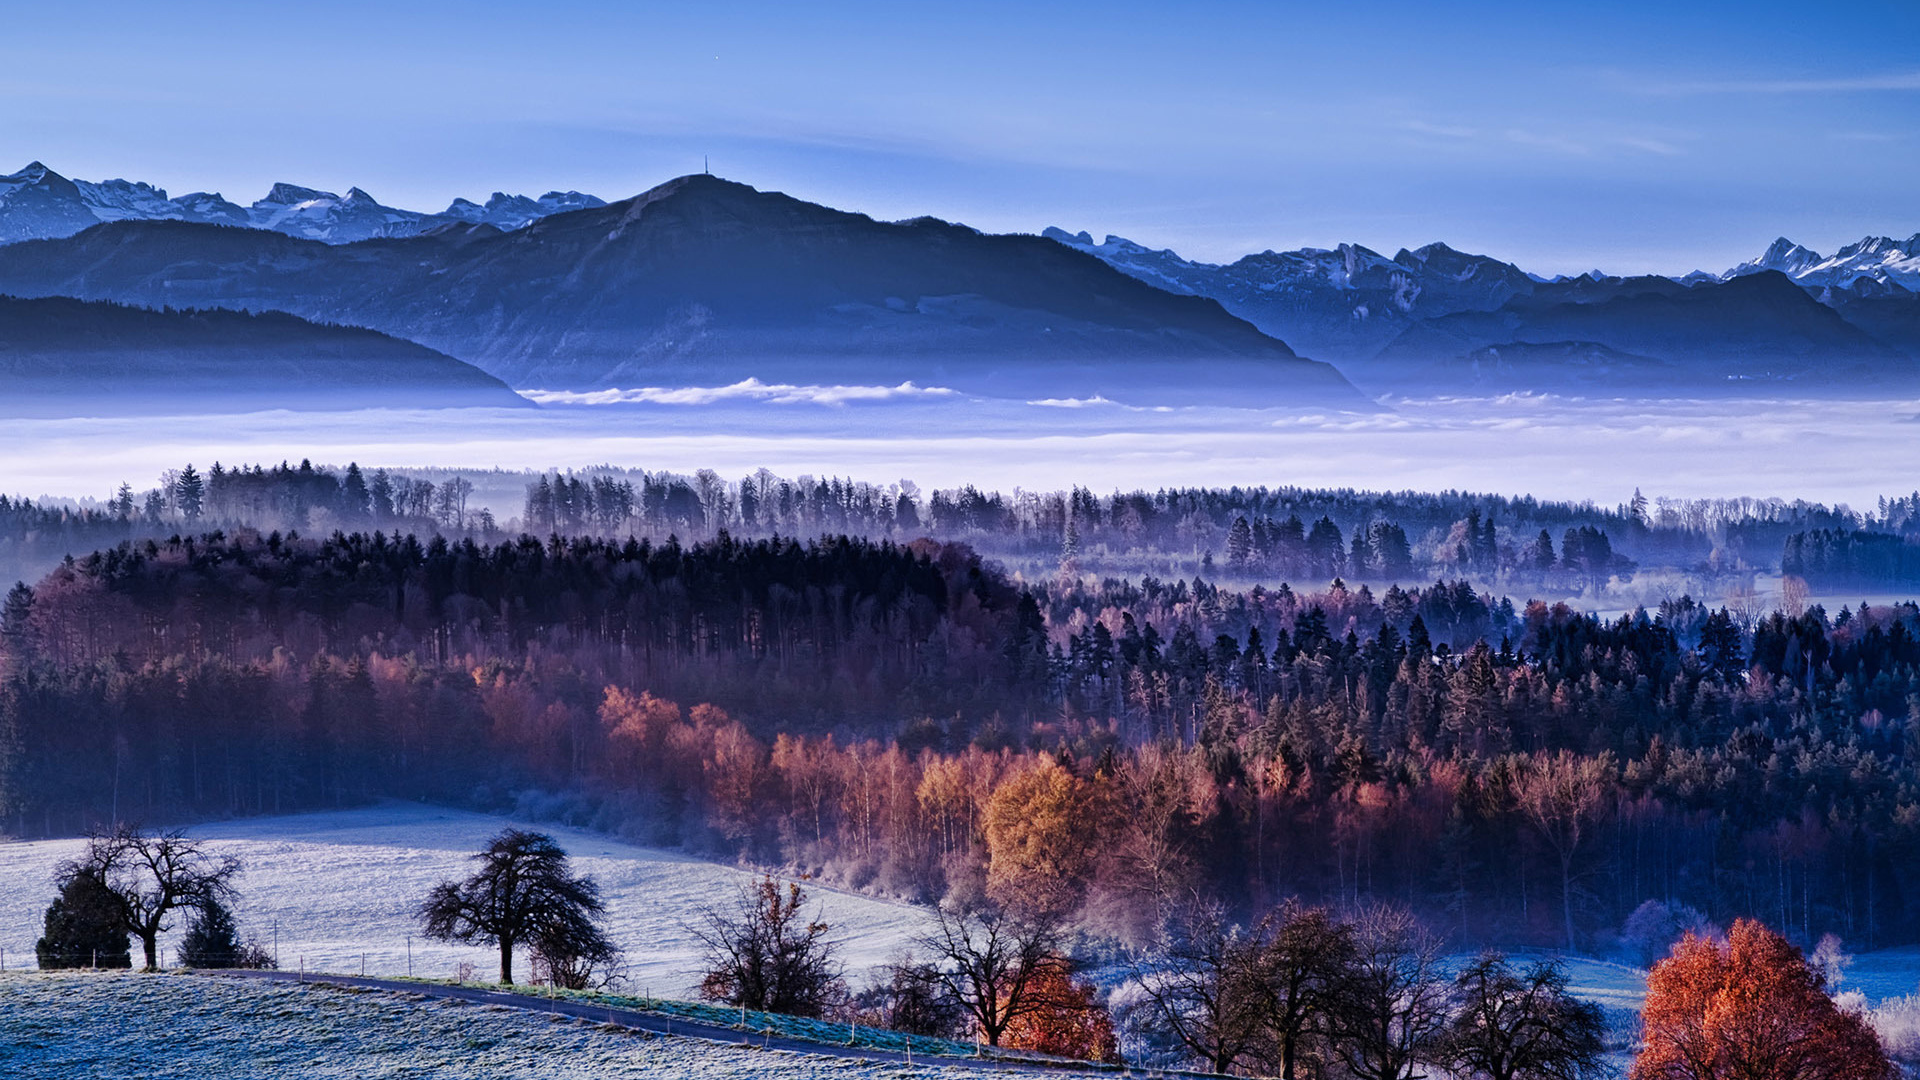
pixel 38 203
pixel 1880 259
pixel 508 212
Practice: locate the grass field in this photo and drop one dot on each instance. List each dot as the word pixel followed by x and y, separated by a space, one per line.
pixel 341 888
pixel 82 1026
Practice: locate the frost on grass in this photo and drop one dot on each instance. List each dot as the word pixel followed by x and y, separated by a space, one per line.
pixel 337 891
pixel 81 1025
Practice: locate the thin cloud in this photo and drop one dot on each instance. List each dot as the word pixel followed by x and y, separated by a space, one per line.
pixel 1895 81
pixel 1557 143
pixel 1447 131
pixel 1651 146
pixel 745 390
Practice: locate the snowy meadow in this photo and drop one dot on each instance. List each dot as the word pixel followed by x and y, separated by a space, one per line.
pixel 208 1028
pixel 336 892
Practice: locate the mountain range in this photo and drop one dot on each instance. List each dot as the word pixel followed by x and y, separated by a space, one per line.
pixel 703 280
pixel 37 203
pixel 1434 318
pixel 58 353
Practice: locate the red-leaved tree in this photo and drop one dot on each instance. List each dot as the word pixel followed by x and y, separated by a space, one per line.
pixel 1750 1009
pixel 1065 1020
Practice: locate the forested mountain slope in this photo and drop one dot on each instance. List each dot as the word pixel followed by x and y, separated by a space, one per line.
pixel 72 357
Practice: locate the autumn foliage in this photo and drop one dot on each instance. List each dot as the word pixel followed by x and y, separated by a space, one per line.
pixel 1066 1020
pixel 1750 1008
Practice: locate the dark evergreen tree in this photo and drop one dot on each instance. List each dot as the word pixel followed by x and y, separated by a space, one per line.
pixel 85 926
pixel 212 940
pixel 190 494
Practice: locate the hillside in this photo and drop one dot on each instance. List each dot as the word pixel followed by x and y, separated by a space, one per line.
pixel 88 1026
pixel 702 280
pixel 1754 331
pixel 61 356
pixel 341 888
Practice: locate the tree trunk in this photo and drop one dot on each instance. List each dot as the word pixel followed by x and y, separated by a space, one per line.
pixel 506 960
pixel 150 944
pixel 1566 895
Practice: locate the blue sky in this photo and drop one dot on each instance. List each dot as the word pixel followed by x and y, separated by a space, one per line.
pixel 1631 137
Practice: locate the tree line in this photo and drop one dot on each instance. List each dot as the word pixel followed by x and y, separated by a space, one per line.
pixel 1246 533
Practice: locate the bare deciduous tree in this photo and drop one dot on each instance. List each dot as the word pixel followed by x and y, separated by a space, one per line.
pixel 1562 795
pixel 991 962
pixel 524 892
pixel 767 954
pixel 1306 959
pixel 1391 1008
pixel 149 876
pixel 1510 1025
pixel 1204 986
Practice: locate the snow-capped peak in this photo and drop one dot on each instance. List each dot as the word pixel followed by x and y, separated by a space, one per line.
pixel 1879 258
pixel 284 194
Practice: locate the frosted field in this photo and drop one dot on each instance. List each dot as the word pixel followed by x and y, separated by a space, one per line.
pixel 77 1026
pixel 343 885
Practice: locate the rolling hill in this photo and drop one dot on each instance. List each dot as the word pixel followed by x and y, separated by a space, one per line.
pixel 60 356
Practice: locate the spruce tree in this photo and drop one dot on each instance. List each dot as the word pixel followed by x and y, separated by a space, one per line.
pixel 84 927
pixel 212 940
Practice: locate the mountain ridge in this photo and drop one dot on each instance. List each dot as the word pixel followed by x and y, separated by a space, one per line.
pixel 703 278
pixel 37 203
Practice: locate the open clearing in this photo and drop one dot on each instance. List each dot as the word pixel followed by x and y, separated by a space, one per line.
pixel 81 1025
pixel 341 888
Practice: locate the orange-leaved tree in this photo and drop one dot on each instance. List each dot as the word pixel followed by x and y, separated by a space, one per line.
pixel 1065 1020
pixel 1750 1008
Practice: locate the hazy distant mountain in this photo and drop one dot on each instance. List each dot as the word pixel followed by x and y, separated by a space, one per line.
pixel 1651 333
pixel 71 357
pixel 1342 303
pixel 702 278
pixel 38 203
pixel 508 212
pixel 1436 319
pixel 1886 311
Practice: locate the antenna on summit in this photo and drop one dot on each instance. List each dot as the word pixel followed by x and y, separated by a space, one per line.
pixel 704 167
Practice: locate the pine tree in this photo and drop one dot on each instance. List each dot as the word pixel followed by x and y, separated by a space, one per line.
pixel 354 495
pixel 1239 543
pixel 212 941
pixel 189 493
